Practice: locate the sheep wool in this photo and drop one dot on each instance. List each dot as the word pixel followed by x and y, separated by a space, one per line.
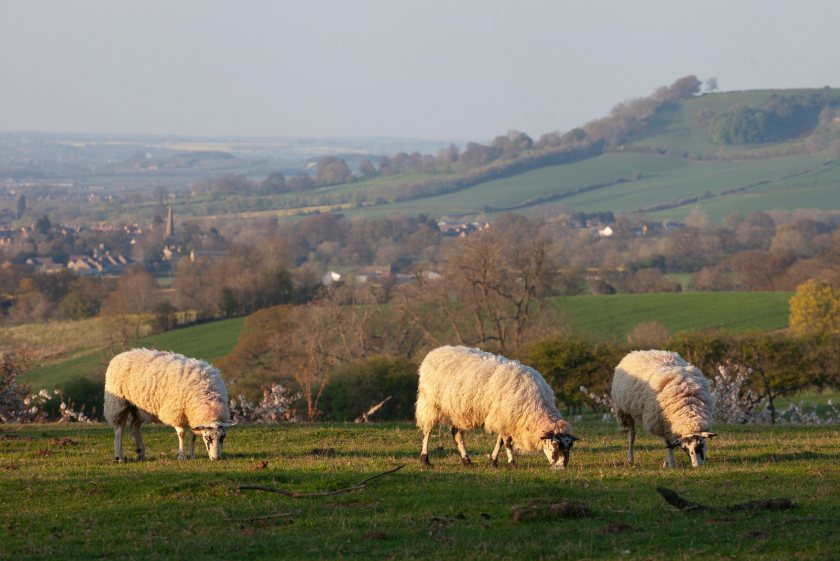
pixel 666 395
pixel 147 385
pixel 469 388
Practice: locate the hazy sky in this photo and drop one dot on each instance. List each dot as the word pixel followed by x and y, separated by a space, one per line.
pixel 407 68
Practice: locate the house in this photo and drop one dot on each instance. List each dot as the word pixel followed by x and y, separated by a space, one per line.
pixel 374 274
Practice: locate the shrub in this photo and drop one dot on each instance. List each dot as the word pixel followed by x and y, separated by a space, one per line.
pixel 361 384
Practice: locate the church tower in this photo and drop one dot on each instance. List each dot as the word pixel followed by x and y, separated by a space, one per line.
pixel 169 236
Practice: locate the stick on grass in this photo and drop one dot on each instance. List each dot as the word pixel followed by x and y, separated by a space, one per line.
pixel 674 499
pixel 360 485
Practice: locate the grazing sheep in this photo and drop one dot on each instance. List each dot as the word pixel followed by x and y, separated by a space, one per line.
pixel 468 388
pixel 143 385
pixel 669 398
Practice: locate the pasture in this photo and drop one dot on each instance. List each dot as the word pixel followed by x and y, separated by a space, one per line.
pixel 207 341
pixel 595 317
pixel 62 495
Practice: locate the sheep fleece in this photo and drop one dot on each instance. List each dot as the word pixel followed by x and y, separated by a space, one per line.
pixel 665 394
pixel 469 388
pixel 179 391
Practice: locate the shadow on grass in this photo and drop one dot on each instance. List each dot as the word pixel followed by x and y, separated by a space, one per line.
pixel 795 456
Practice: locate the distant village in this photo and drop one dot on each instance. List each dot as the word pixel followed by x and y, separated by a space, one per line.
pixel 106 250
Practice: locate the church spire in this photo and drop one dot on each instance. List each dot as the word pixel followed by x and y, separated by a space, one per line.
pixel 169 236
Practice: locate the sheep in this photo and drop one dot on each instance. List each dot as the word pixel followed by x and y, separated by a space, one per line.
pixel 669 397
pixel 143 385
pixel 469 388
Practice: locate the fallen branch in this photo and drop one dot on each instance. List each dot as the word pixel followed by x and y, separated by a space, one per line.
pixel 365 416
pixel 266 517
pixel 291 494
pixel 675 500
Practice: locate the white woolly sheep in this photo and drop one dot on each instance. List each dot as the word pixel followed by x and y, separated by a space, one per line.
pixel 669 398
pixel 143 385
pixel 469 388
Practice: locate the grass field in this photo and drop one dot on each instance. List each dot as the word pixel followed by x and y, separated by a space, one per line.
pixel 650 180
pixel 613 317
pixel 62 496
pixel 207 341
pixel 595 317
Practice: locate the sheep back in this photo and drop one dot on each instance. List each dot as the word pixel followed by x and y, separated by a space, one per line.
pixel 665 394
pixel 469 388
pixel 177 390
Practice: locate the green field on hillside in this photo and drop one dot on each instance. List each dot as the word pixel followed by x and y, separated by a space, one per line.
pixel 726 179
pixel 595 317
pixel 675 127
pixel 649 181
pixel 613 317
pixel 207 341
pixel 64 497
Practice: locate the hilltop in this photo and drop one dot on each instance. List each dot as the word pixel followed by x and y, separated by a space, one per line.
pixel 659 156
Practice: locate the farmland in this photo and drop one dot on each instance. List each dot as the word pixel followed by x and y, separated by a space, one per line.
pixel 71 500
pixel 594 317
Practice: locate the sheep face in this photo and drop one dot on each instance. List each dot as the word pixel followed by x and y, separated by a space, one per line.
pixel 214 436
pixel 695 446
pixel 557 447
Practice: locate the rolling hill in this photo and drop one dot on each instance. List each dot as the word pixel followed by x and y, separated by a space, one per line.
pixel 670 166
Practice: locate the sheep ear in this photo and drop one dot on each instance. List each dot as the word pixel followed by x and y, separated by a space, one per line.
pixel 573 437
pixel 547 436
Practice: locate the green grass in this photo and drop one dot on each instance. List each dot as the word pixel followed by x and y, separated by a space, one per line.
pixel 596 317
pixel 793 181
pixel 613 317
pixel 650 180
pixel 207 341
pixel 63 496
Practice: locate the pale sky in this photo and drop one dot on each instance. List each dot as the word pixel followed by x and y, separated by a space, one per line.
pixel 432 69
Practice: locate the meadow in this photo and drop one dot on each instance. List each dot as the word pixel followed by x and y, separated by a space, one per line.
pixel 62 495
pixel 640 182
pixel 207 341
pixel 594 317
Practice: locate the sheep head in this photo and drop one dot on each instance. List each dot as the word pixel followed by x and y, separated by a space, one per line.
pixel 213 435
pixel 694 445
pixel 557 446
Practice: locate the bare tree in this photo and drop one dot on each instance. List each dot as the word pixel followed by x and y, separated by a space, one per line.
pixel 490 291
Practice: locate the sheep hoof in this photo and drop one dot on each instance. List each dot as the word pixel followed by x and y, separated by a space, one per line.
pixel 119 460
pixel 466 461
pixel 494 463
pixel 424 460
pixel 512 465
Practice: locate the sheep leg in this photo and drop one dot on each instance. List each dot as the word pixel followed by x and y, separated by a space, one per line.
pixel 669 457
pixel 494 457
pixel 509 452
pixel 192 446
pixel 138 440
pixel 458 435
pixel 632 438
pixel 180 431
pixel 424 450
pixel 118 448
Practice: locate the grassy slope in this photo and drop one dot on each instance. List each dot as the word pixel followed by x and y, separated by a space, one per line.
pixel 613 317
pixel 71 500
pixel 597 317
pixel 207 341
pixel 664 178
pixel 675 127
